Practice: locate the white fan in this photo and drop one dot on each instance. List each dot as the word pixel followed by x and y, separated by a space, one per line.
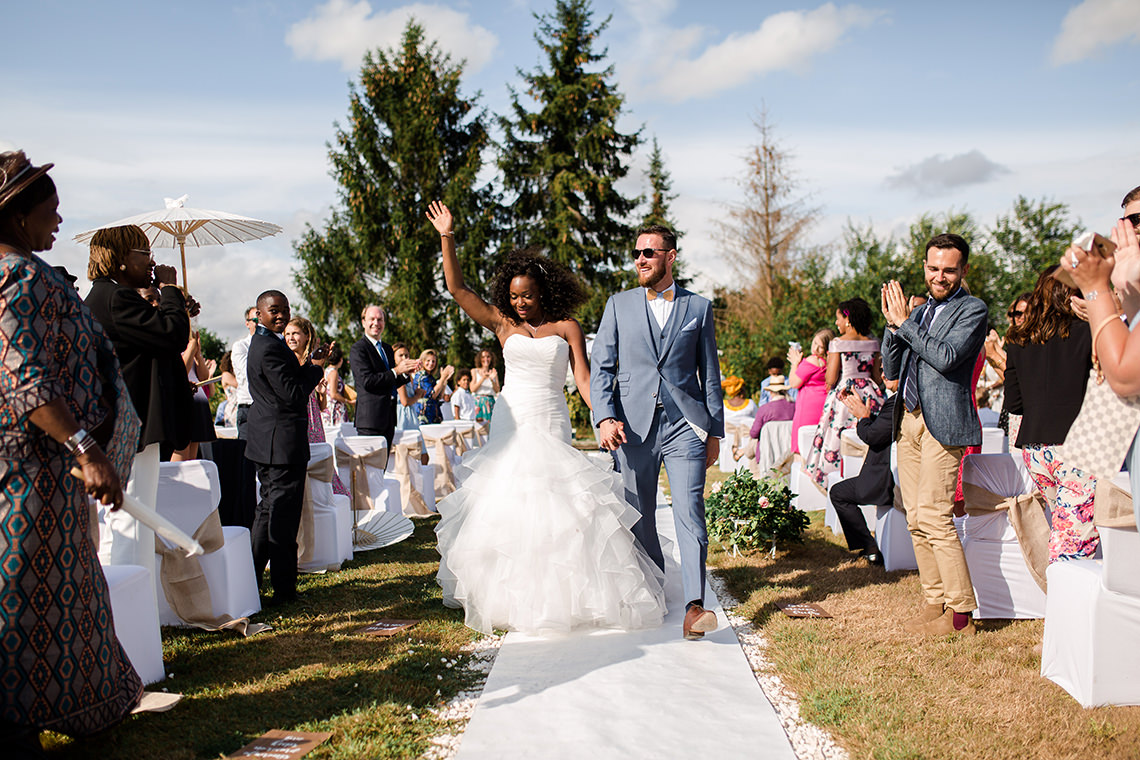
pixel 378 528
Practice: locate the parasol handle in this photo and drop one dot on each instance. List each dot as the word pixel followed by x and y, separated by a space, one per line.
pixel 154 521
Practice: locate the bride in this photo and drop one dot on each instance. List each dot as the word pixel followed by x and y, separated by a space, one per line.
pixel 538 537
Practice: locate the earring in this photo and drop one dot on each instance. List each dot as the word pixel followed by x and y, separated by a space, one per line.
pixel 122 267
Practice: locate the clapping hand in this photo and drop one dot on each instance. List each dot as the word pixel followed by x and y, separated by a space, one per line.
pixel 447 372
pixel 164 275
pixel 795 356
pixel 440 217
pixel 321 353
pixel 855 404
pixel 408 366
pixel 894 304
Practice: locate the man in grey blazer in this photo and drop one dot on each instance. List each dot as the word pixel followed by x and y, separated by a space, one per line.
pixel 655 386
pixel 931 351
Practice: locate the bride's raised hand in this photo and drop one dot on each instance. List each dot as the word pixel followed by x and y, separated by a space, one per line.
pixel 440 217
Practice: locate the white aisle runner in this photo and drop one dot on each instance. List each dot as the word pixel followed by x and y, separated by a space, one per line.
pixel 616 694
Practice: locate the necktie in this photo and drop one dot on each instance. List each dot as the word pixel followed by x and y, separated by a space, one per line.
pixel 652 294
pixel 910 389
pixel 384 361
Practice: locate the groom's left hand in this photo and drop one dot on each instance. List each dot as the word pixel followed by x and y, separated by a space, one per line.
pixel 712 451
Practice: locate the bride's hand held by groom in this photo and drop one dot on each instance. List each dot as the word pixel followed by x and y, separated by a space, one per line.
pixel 611 434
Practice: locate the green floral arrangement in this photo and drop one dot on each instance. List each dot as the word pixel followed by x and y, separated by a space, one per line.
pixel 751 513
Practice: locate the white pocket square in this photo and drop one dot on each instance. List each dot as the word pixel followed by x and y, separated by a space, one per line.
pixel 692 325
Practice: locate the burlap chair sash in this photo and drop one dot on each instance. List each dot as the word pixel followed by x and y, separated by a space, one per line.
pixel 470 437
pixel 738 434
pixel 445 476
pixel 405 457
pixel 1026 515
pixel 323 471
pixel 1112 507
pixel 358 465
pixel 185 586
pixel 849 448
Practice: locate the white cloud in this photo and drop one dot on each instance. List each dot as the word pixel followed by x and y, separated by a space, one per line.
pixel 937 174
pixel 342 30
pixel 784 41
pixel 1094 25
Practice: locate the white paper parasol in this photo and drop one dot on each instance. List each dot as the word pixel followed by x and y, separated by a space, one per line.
pixel 177 226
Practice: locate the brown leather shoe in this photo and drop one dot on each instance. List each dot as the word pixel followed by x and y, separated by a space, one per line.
pixel 698 622
pixel 929 612
pixel 944 626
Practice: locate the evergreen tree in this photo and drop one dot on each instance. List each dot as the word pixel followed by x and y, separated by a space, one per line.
pixel 562 161
pixel 660 192
pixel 411 138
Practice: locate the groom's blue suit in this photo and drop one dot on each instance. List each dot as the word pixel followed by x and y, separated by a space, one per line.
pixel 663 384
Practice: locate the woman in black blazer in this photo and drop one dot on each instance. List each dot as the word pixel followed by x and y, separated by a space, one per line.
pixel 1048 358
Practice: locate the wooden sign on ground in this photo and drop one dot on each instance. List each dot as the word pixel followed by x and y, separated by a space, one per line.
pixel 281 745
pixel 803 610
pixel 387 627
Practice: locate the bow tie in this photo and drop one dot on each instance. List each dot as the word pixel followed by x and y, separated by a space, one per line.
pixel 652 294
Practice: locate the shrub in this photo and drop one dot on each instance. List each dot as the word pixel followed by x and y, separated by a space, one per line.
pixel 751 513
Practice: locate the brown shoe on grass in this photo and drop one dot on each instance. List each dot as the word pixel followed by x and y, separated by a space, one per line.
pixel 929 612
pixel 944 626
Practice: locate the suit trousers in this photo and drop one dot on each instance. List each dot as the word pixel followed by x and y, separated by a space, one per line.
pixel 276 522
pixel 845 497
pixel 671 441
pixel 928 475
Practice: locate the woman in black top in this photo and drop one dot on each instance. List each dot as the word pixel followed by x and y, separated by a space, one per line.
pixel 1049 355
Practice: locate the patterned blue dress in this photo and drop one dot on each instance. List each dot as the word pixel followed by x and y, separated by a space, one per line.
pixel 61 666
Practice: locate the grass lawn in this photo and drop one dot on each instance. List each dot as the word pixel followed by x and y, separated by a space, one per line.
pixel 882 693
pixel 890 695
pixel 311 672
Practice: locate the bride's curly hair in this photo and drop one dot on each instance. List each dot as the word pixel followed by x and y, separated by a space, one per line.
pixel 560 292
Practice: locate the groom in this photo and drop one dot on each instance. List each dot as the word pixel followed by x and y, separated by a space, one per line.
pixel 655 386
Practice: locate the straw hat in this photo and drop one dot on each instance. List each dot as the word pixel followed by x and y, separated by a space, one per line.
pixel 778 385
pixel 16 174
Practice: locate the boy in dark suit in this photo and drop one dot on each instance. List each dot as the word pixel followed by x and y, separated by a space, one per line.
pixel 278 440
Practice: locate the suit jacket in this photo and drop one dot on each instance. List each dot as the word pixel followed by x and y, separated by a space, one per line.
pixel 1056 373
pixel 149 343
pixel 374 383
pixel 875 484
pixel 277 425
pixel 946 356
pixel 632 366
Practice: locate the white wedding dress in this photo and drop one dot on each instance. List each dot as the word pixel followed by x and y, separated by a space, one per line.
pixel 537 538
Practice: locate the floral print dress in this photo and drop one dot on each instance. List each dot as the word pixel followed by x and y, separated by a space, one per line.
pixel 856 359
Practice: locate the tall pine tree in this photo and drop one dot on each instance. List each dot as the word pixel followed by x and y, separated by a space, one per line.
pixel 411 138
pixel 660 191
pixel 561 162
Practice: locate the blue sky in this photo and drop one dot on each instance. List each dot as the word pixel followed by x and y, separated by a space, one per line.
pixel 890 109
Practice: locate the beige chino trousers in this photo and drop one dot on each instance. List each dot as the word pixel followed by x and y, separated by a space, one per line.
pixel 928 475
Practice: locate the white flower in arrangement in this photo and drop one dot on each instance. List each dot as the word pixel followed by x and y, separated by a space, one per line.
pixel 716 487
pixel 764 503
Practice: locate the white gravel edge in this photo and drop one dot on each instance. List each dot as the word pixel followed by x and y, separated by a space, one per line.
pixel 809 742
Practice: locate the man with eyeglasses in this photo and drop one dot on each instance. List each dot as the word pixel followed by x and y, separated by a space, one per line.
pixel 655 385
pixel 238 354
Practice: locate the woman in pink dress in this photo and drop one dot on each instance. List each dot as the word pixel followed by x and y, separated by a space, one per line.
pixel 808 375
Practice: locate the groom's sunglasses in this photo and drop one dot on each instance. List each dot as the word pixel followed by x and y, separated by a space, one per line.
pixel 1133 219
pixel 647 252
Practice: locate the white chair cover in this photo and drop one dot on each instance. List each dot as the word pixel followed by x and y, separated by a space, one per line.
pixel 1120 549
pixel 993 441
pixel 806 496
pixel 188 494
pixel 225 432
pixel 368 484
pixel 331 539
pixel 850 442
pixel 988 417
pixel 893 538
pixel 1090 636
pixel 1003 584
pixel 775 446
pixel 136 619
